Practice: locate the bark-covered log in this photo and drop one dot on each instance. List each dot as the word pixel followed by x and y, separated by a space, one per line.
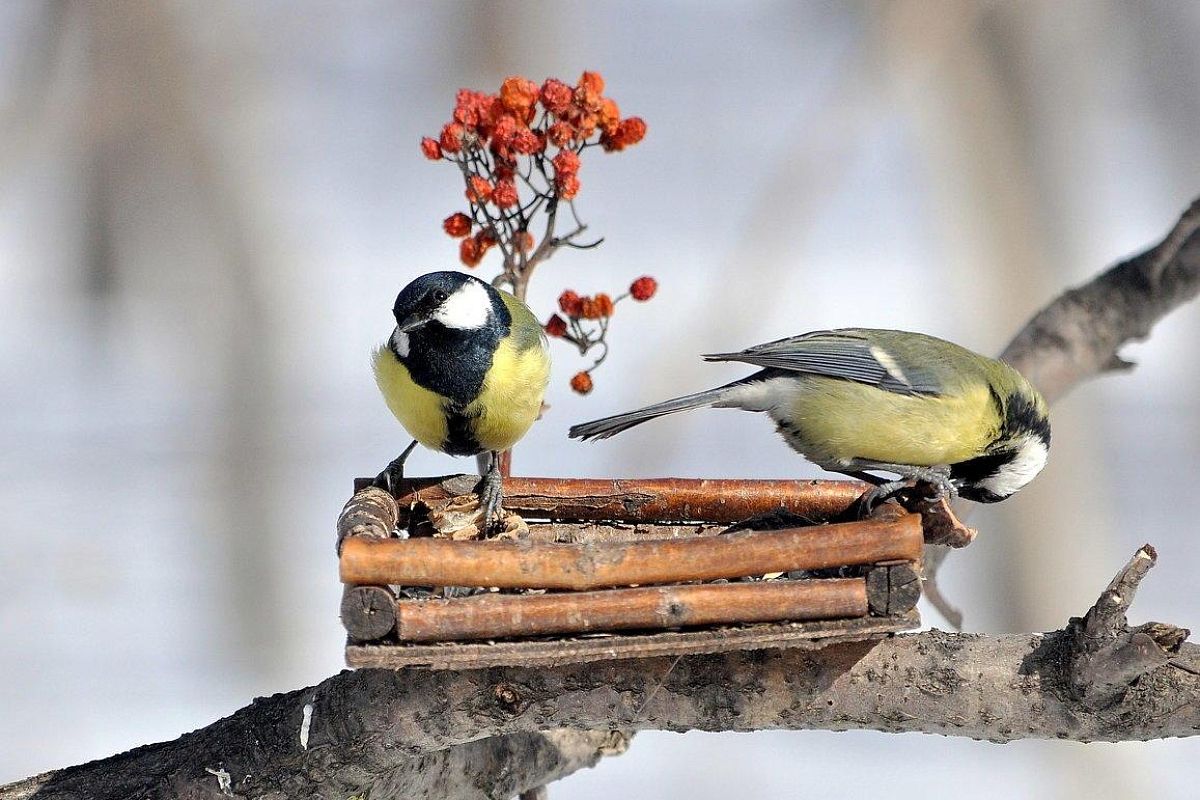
pixel 530 565
pixel 497 616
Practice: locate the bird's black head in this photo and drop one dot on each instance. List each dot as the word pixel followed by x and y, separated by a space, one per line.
pixel 448 326
pixel 449 299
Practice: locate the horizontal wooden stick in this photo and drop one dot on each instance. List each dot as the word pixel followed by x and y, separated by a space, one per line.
pixel 659 500
pixel 496 616
pixel 580 532
pixel 579 567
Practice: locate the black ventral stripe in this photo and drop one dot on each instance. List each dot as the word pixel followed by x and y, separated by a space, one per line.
pixel 460 435
pixel 450 362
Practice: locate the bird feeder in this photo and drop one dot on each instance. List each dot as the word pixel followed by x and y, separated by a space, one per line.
pixel 608 569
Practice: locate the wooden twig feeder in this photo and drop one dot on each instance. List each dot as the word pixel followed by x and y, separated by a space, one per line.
pixel 605 569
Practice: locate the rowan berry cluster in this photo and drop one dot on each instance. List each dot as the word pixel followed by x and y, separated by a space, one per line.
pixel 586 320
pixel 519 152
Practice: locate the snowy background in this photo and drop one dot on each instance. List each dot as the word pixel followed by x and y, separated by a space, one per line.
pixel 206 209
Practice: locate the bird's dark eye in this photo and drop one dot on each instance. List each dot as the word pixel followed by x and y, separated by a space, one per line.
pixel 439 296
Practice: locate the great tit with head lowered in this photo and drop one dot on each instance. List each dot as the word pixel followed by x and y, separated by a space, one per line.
pixel 860 400
pixel 464 371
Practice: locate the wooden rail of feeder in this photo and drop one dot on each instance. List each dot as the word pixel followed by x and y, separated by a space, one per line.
pixel 495 616
pixel 370 613
pixel 534 565
pixel 651 500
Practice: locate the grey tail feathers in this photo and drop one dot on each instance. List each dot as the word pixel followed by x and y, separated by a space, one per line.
pixel 611 426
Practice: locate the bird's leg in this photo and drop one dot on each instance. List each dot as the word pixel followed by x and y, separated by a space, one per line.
pixel 491 492
pixel 393 473
pixel 938 477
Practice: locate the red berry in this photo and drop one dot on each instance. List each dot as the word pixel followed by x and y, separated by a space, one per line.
pixel 643 288
pixel 581 382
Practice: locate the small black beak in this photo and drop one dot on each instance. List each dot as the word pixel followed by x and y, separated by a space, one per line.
pixel 414 320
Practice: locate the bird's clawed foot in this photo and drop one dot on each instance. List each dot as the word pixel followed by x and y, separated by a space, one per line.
pixel 491 494
pixel 915 480
pixel 393 473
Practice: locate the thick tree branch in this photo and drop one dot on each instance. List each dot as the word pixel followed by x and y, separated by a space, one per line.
pixel 257 752
pixel 1077 336
pixel 419 733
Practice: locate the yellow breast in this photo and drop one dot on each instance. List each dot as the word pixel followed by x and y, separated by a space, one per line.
pixel 511 397
pixel 420 411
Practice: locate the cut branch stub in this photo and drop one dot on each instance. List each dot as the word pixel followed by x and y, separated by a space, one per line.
pixel 368 612
pixel 893 588
pixel 371 512
pixel 533 565
pixel 1106 655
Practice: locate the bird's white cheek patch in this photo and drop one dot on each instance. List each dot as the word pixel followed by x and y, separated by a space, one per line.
pixel 1031 457
pixel 400 342
pixel 468 307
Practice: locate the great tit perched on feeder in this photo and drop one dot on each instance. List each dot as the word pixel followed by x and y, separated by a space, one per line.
pixel 464 371
pixel 860 400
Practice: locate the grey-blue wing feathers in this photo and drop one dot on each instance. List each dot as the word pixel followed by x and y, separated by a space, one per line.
pixel 849 355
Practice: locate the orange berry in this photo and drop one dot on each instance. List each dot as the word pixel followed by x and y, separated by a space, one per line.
pixel 581 382
pixel 568 186
pixel 457 224
pixel 527 142
pixel 478 190
pixel 570 303
pixel 504 130
pixel 560 134
pixel 632 130
pixel 592 81
pixel 505 194
pixel 469 252
pixel 451 138
pixel 431 148
pixel 566 163
pixel 609 116
pixel 604 305
pixel 518 94
pixel 555 96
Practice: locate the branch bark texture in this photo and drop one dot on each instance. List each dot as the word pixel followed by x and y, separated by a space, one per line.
pixel 1077 336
